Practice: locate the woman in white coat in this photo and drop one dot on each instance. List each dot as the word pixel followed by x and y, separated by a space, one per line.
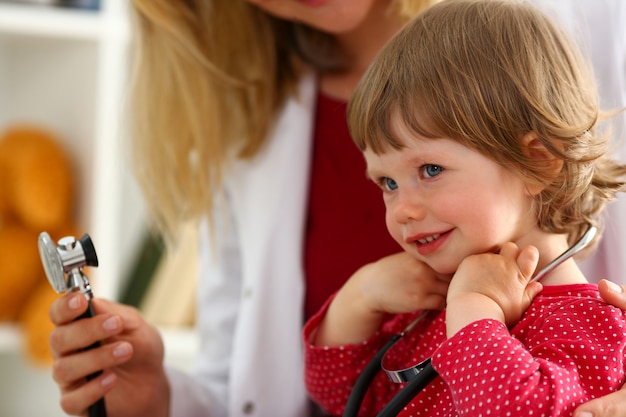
pixel 212 72
pixel 227 103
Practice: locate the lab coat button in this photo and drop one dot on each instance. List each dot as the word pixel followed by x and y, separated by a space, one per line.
pixel 248 407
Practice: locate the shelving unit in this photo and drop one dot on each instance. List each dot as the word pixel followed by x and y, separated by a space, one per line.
pixel 66 70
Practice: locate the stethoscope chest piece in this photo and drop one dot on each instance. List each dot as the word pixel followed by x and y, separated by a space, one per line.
pixel 52 264
pixel 63 264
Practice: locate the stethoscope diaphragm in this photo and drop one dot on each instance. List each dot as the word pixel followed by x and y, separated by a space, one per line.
pixel 52 263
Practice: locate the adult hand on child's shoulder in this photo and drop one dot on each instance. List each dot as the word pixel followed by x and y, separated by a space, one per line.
pixel 612 405
pixel 613 294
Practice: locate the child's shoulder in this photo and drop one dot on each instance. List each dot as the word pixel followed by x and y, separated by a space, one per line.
pixel 551 293
pixel 568 299
pixel 571 303
pixel 570 312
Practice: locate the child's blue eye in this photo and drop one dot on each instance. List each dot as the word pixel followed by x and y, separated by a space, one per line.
pixel 390 184
pixel 430 170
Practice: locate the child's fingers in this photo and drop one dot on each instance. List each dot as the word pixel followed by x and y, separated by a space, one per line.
pixel 509 250
pixel 527 261
pixel 532 290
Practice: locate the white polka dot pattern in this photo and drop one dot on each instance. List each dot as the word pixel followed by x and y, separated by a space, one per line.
pixel 567 349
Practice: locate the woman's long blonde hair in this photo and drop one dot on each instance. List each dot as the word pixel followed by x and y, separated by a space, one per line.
pixel 485 73
pixel 209 78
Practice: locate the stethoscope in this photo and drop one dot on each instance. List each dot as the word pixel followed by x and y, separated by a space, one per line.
pixel 422 374
pixel 64 268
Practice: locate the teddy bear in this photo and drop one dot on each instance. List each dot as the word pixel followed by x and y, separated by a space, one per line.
pixel 37 193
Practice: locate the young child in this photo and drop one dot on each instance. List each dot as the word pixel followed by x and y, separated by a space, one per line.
pixel 477 122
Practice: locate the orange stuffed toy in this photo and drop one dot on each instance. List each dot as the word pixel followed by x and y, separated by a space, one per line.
pixel 36 194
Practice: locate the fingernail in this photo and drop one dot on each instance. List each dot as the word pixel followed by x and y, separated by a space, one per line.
pixel 121 350
pixel 74 303
pixel 584 414
pixel 108 380
pixel 616 289
pixel 111 324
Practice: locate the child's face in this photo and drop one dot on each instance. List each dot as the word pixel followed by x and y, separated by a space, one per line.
pixel 445 201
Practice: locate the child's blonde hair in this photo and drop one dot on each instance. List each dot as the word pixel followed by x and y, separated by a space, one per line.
pixel 210 77
pixel 485 73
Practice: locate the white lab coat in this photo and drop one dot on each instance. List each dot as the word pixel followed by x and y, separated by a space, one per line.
pixel 250 305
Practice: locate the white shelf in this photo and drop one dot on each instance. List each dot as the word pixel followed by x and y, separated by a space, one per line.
pixel 66 70
pixel 50 21
pixel 10 337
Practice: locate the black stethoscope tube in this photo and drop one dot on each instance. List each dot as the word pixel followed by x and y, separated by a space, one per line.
pixel 411 389
pixel 402 398
pixel 97 409
pixel 364 380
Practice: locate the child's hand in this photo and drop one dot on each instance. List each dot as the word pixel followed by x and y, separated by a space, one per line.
pixel 395 284
pixel 399 283
pixel 492 285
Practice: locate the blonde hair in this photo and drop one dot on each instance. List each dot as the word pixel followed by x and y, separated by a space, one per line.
pixel 485 73
pixel 196 104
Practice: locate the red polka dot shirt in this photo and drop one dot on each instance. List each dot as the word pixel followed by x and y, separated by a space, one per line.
pixel 567 349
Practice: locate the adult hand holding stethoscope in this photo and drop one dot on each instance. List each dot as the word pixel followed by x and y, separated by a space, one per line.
pixel 130 357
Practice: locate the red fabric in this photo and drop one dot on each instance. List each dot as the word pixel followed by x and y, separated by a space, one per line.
pixel 567 349
pixel 346 215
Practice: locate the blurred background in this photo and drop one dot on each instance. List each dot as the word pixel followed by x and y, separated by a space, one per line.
pixel 64 67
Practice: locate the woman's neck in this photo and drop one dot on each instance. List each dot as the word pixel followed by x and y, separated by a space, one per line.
pixel 360 46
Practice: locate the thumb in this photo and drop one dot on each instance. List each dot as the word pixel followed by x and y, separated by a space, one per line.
pixel 532 290
pixel 527 261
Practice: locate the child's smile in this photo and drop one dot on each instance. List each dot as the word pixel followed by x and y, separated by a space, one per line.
pixel 428 244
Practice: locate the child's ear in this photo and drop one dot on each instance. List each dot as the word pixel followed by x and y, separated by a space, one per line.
pixel 536 151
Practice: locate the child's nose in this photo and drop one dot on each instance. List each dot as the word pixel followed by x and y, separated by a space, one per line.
pixel 409 207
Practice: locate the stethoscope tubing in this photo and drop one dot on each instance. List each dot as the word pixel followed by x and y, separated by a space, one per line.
pixel 365 379
pixel 402 398
pixel 412 388
pixel 97 409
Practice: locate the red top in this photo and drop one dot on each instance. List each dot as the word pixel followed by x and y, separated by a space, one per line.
pixel 345 226
pixel 567 349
